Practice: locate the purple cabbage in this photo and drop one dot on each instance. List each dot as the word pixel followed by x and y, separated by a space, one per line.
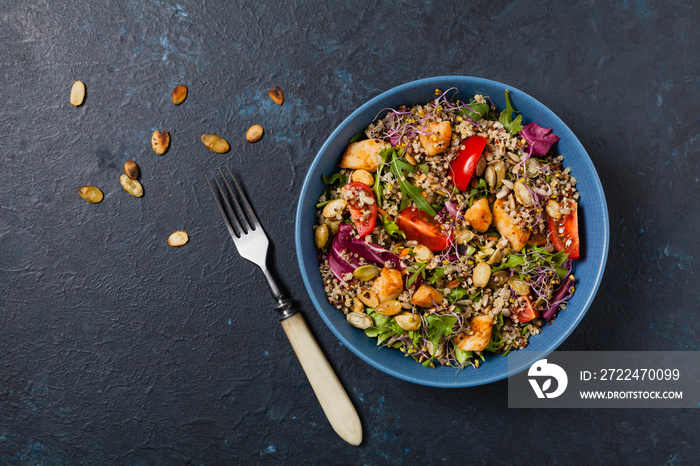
pixel 562 294
pixel 540 139
pixel 344 241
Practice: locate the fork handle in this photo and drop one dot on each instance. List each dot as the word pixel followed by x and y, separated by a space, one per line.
pixel 330 393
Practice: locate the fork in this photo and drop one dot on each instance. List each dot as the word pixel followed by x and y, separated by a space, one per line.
pixel 252 244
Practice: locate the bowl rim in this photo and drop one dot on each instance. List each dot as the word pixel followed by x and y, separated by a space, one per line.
pixel 522 363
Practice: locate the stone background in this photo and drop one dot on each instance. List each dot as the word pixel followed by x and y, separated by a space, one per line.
pixel 118 349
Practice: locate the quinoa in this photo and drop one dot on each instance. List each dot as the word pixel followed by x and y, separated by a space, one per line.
pixel 450 315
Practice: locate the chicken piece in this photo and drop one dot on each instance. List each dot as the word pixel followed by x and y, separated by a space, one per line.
pixel 506 226
pixel 363 155
pixel 388 285
pixel 480 327
pixel 438 138
pixel 479 215
pixel 426 296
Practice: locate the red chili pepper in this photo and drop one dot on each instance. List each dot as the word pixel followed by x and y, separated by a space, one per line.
pixel 463 167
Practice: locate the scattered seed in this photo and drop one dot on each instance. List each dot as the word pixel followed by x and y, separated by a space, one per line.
pixel 369 298
pixel 276 94
pixel 179 94
pixel 132 187
pixel 359 320
pixel 160 142
pixel 254 133
pixel 132 169
pixel 321 236
pixel 215 143
pixel 481 274
pixel 77 93
pixel 91 194
pixel 366 272
pixel 178 238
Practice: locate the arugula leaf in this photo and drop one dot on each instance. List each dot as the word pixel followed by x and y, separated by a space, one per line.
pixel 477 111
pixel 377 188
pixel 512 261
pixel 334 178
pixel 437 275
pixel 398 168
pixel 506 118
pixel 358 136
pixel 479 191
pixel 424 167
pixel 414 274
pixel 392 228
pixel 456 294
pixel 496 338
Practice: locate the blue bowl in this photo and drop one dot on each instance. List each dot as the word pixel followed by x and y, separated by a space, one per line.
pixel 593 222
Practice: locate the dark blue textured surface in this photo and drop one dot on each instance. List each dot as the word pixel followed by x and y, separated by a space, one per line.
pixel 595 232
pixel 117 349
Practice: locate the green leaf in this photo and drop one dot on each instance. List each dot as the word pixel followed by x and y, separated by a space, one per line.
pixel 414 274
pixel 506 118
pixel 398 168
pixel 477 110
pixel 479 191
pixel 335 177
pixel 437 275
pixel 513 260
pixel 439 326
pixel 463 356
pixel 358 136
pixel 392 228
pixel 377 188
pixel 456 294
pixel 424 167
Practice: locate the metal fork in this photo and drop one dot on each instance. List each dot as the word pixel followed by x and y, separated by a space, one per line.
pixel 252 244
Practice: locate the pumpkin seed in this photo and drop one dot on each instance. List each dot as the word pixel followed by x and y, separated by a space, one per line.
pixel 522 193
pixel 359 320
pixel 332 224
pixel 357 305
pixel 178 238
pixel 464 236
pixel 160 142
pixel 408 321
pixel 390 307
pixel 132 187
pixel 132 169
pixel 334 208
pixel 363 176
pixel 490 176
pixel 480 166
pixel 321 236
pixel 532 168
pixel 500 169
pixel 366 272
pixel 498 279
pixel 495 257
pixel 423 254
pixel 254 133
pixel 481 274
pixel 179 94
pixel 276 94
pixel 369 298
pixel 519 285
pixel 91 194
pixel 215 143
pixel 77 93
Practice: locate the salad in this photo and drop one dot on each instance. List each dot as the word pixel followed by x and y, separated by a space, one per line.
pixel 449 230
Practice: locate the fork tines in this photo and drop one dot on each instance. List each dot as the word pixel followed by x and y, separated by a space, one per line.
pixel 243 218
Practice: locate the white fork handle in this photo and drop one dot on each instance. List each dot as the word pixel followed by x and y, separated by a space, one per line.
pixel 330 393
